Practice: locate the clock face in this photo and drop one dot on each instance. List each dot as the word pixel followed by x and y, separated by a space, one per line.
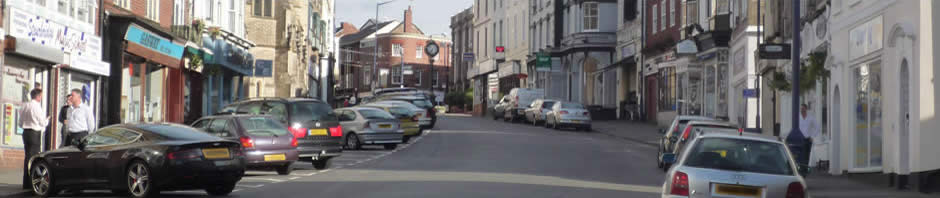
pixel 431 49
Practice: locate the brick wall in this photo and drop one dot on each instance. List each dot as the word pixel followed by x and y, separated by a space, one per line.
pixel 11 158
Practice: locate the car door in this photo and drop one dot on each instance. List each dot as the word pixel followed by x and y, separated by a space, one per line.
pixel 97 152
pixel 109 157
pixel 352 118
pixel 66 167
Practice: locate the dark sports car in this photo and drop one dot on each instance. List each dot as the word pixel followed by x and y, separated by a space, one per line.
pixel 140 160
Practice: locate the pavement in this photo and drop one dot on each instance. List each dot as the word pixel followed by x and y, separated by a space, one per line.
pixel 478 157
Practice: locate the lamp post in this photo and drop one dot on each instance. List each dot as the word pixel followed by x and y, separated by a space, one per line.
pixel 375 56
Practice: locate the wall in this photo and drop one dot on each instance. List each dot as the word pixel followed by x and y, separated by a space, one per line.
pixel 258 30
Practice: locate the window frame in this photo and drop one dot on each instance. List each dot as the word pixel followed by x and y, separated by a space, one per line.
pixel 590 16
pixel 153 10
pixel 266 6
pixel 655 23
pixel 419 53
pixel 395 75
pixel 397 50
pixel 672 13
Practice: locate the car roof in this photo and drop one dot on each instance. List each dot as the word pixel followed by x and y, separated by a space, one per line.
pixel 405 97
pixel 235 115
pixel 293 99
pixel 711 122
pixel 357 108
pixel 740 135
pixel 693 117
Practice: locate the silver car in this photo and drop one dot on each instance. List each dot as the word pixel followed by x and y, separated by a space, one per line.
pixel 424 117
pixel 671 136
pixel 729 163
pixel 568 114
pixel 535 114
pixel 369 126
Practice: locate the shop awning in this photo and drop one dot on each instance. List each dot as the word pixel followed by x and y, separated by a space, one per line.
pixel 229 56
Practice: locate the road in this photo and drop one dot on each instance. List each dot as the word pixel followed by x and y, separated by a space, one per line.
pixel 471 157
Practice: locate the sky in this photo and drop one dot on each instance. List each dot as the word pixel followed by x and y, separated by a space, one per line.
pixel 432 16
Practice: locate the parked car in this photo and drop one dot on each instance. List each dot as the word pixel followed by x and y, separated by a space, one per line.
pixel 369 126
pixel 319 134
pixel 140 160
pixel 671 136
pixel 688 133
pixel 733 164
pixel 419 101
pixel 267 143
pixel 512 106
pixel 408 120
pixel 568 114
pixel 536 112
pixel 379 92
pixel 424 118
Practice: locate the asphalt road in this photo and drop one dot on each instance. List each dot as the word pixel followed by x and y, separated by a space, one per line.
pixel 471 157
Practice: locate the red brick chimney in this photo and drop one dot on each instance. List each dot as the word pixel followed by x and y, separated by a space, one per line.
pixel 408 20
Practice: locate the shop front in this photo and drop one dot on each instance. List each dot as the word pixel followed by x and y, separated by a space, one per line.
pixel 52 53
pixel 146 74
pixel 225 74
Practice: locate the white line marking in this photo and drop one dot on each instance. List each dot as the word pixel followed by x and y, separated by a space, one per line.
pixel 293 178
pixel 266 179
pixel 250 186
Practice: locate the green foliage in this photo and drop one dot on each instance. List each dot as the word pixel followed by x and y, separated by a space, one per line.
pixel 812 71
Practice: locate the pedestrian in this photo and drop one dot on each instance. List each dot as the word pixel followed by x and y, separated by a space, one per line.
pixel 81 119
pixel 346 103
pixel 33 120
pixel 810 129
pixel 352 100
pixel 64 119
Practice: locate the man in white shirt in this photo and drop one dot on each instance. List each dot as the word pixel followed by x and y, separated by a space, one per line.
pixel 810 129
pixel 33 120
pixel 81 119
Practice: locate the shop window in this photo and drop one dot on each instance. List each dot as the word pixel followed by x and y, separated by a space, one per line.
pixel 710 91
pixel 667 89
pixel 723 91
pixel 153 99
pixel 131 93
pixel 396 76
pixel 868 128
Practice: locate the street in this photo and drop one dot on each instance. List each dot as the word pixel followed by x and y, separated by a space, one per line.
pixel 470 157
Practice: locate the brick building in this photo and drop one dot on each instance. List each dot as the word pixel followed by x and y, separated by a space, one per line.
pixel 400 43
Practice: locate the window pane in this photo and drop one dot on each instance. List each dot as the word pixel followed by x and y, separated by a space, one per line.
pixel 740 155
pixel 153 101
pixel 268 7
pixel 861 116
pixel 262 126
pixel 875 116
pixel 258 5
pixel 130 93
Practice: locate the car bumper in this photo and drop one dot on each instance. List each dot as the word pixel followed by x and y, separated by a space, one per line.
pixel 316 152
pixel 574 123
pixel 257 157
pixel 200 174
pixel 381 138
pixel 424 123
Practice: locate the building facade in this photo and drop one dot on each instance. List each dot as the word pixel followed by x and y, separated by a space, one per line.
pixel 282 58
pixel 660 60
pixel 461 26
pixel 626 59
pixel 513 39
pixel 223 75
pixel 487 26
pixel 64 54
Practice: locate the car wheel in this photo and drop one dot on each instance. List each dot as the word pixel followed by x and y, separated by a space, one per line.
pixel 284 169
pixel 390 146
pixel 352 142
pixel 139 182
pixel 42 180
pixel 321 164
pixel 221 190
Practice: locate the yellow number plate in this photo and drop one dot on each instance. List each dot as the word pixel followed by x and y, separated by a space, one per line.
pixel 385 126
pixel 317 131
pixel 736 190
pixel 277 157
pixel 216 153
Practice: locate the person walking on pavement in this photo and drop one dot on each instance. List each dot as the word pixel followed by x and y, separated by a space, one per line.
pixel 33 120
pixel 810 130
pixel 81 119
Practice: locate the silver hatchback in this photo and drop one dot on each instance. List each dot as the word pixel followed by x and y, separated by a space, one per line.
pixel 568 114
pixel 369 126
pixel 734 164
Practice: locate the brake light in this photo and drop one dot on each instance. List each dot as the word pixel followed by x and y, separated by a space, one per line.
pixel 685 134
pixel 795 190
pixel 293 142
pixel 185 154
pixel 247 142
pixel 587 113
pixel 427 113
pixel 298 132
pixel 563 112
pixel 336 131
pixel 680 184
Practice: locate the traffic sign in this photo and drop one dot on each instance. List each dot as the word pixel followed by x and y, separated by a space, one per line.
pixel 468 56
pixel 543 62
pixel 750 93
pixel 773 51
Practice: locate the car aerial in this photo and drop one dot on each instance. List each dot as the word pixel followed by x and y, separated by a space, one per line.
pixel 687 134
pixel 568 114
pixel 408 120
pixel 319 134
pixel 266 142
pixel 670 136
pixel 424 118
pixel 512 106
pixel 140 160
pixel 536 112
pixel 419 101
pixel 369 126
pixel 729 163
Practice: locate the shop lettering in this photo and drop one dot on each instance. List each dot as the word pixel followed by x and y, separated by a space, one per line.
pixel 150 41
pixel 74 42
pixel 39 29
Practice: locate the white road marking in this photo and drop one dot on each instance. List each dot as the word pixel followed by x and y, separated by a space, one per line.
pixel 266 179
pixel 250 186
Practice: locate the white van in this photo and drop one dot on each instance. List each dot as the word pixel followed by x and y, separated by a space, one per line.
pixel 512 106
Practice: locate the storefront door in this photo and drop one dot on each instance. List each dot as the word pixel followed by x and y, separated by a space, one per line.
pixel 868 119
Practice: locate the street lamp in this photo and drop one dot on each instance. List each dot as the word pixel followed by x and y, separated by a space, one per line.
pixel 375 56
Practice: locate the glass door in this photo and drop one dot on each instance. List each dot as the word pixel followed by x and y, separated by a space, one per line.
pixel 868 126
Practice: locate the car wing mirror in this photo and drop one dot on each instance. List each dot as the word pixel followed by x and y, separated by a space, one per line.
pixel 669 158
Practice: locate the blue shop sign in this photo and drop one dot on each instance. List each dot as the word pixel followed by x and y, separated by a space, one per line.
pixel 153 42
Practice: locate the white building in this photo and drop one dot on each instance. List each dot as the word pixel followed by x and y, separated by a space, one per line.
pixel 743 110
pixel 883 94
pixel 588 45
pixel 488 30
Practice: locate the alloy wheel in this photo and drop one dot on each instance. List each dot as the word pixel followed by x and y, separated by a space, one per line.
pixel 41 179
pixel 352 142
pixel 138 180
